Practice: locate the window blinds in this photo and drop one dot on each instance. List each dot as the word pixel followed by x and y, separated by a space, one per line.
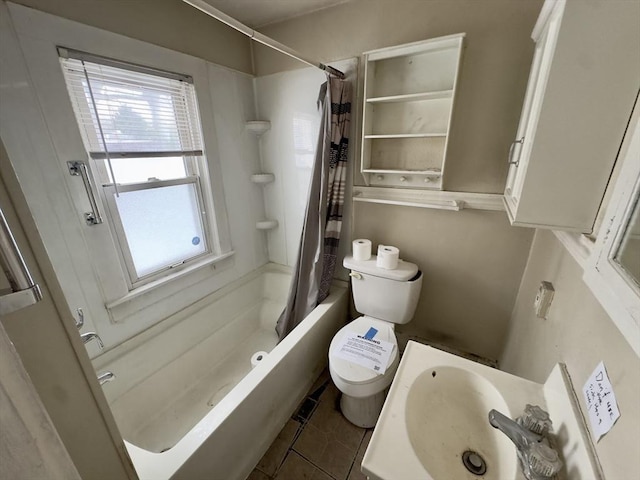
pixel 133 111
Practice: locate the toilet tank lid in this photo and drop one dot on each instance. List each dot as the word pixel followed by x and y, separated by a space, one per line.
pixel 405 271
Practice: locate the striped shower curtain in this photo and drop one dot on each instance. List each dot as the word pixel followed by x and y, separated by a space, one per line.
pixel 318 249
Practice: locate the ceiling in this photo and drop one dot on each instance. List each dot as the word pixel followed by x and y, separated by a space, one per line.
pixel 258 13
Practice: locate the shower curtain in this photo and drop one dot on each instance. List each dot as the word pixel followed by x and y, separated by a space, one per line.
pixel 320 237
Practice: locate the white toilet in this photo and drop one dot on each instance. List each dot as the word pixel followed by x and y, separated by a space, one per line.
pixel 385 298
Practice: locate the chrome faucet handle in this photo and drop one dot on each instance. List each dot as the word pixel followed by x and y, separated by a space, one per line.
pixel 535 419
pixel 105 377
pixel 87 337
pixel 537 459
pixel 544 460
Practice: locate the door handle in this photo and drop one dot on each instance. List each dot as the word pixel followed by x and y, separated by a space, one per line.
pixel 512 149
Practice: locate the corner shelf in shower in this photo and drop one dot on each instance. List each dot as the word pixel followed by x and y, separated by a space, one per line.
pixel 263 178
pixel 267 224
pixel 258 127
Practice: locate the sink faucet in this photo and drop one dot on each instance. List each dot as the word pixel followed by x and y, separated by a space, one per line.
pixel 538 460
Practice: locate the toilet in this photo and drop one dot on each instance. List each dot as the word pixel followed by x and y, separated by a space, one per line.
pixel 384 298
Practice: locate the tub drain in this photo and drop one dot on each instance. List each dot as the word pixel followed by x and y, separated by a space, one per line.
pixel 473 462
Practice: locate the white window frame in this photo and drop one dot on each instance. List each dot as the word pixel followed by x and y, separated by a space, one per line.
pixel 102 172
pixel 109 192
pixel 617 292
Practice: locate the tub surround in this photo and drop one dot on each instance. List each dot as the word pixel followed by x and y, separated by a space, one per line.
pixel 225 102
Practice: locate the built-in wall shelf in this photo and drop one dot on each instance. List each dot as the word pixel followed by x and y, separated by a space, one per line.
pixel 408 101
pixel 439 200
pixel 258 127
pixel 263 178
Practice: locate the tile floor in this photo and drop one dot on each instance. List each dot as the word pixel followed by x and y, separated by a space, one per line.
pixel 317 443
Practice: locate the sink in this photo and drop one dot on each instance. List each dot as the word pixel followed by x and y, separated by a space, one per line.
pixel 446 416
pixel 437 409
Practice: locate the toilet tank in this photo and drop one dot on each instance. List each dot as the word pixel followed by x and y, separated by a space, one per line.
pixel 390 295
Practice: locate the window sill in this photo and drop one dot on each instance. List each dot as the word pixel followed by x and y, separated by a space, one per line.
pixel 577 244
pixel 153 292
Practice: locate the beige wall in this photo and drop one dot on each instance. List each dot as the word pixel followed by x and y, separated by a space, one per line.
pixel 169 23
pixel 492 81
pixel 578 332
pixel 472 263
pixel 473 260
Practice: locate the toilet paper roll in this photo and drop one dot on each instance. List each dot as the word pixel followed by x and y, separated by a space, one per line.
pixel 257 357
pixel 361 249
pixel 388 257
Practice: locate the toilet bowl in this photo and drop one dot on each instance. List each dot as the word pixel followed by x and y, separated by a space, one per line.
pixel 363 390
pixel 386 298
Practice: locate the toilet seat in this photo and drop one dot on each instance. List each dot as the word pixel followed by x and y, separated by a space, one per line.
pixel 360 381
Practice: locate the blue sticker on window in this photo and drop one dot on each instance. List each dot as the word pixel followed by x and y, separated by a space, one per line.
pixel 370 334
pixel 195 240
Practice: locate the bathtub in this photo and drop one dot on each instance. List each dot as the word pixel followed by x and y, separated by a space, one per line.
pixel 185 397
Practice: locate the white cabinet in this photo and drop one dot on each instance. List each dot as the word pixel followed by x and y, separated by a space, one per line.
pixel 408 100
pixel 583 81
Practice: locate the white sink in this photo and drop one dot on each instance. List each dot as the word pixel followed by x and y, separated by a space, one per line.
pixel 437 409
pixel 446 415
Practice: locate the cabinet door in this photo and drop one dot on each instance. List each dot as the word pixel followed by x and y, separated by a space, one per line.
pixel 582 85
pixel 520 150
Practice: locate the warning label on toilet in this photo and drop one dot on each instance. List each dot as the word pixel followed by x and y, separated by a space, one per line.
pixel 365 351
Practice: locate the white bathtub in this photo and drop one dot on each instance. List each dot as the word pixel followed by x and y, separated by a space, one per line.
pixel 185 397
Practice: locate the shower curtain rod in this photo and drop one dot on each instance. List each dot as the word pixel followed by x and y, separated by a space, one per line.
pixel 258 37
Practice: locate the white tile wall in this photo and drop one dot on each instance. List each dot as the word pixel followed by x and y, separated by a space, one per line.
pixel 37 113
pixel 233 101
pixel 283 98
pixel 288 99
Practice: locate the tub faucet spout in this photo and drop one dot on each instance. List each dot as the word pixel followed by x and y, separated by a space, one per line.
pixel 87 337
pixel 105 377
pixel 538 460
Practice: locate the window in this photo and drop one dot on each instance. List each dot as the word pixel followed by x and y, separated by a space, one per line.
pixel 142 131
pixel 613 269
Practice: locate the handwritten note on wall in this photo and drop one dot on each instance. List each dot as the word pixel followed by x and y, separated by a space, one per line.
pixel 601 402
